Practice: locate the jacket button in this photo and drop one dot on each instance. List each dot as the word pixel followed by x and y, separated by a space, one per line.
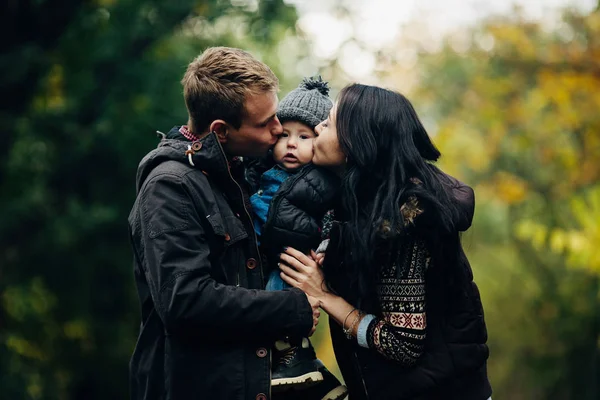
pixel 261 396
pixel 251 263
pixel 227 237
pixel 262 352
pixel 196 146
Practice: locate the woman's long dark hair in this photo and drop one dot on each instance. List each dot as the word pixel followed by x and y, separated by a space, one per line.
pixel 387 147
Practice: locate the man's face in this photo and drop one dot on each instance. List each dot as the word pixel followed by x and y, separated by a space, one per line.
pixel 260 127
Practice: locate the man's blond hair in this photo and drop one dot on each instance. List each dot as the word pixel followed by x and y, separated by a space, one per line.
pixel 216 83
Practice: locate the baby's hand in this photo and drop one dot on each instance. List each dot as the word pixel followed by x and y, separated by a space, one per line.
pixel 318 257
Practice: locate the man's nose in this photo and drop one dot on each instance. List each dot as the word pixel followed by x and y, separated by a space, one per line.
pixel 277 129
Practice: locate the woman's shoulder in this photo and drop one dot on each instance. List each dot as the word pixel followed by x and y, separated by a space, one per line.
pixel 452 199
pixel 462 197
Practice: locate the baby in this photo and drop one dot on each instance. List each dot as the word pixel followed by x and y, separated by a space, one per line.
pixel 289 206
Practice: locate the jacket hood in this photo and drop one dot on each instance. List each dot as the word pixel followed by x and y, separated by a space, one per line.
pixel 464 198
pixel 205 154
pixel 461 195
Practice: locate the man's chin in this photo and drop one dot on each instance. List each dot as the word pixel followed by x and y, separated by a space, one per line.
pixel 253 151
pixel 257 153
pixel 266 149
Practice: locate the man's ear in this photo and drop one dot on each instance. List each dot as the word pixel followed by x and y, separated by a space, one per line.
pixel 221 128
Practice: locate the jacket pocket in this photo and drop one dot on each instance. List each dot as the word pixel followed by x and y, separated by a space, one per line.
pixel 229 228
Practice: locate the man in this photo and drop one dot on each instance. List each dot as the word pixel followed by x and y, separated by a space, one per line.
pixel 207 328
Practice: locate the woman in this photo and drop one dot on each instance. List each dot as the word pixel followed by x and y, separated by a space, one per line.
pixel 407 317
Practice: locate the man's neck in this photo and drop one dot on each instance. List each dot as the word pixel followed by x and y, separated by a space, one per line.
pixel 190 134
pixel 192 129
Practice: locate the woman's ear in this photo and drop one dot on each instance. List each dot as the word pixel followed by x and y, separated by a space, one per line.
pixel 221 128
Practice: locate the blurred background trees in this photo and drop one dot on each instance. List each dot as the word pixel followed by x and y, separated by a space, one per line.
pixel 516 108
pixel 512 104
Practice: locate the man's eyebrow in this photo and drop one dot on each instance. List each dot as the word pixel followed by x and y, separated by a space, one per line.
pixel 268 119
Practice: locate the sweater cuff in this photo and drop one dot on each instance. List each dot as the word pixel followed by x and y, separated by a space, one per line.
pixel 361 335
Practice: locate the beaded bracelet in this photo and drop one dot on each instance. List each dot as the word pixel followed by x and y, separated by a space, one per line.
pixel 344 323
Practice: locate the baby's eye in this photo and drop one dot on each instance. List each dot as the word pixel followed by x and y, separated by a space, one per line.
pixel 285 134
pixel 305 137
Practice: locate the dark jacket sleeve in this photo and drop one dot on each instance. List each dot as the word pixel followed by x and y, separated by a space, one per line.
pixel 175 256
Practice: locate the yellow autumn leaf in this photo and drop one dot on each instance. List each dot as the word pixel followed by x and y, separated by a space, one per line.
pixel 509 188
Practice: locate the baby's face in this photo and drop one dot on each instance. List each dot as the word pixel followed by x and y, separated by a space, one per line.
pixel 295 146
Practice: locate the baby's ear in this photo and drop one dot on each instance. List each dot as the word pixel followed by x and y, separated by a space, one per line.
pixel 221 128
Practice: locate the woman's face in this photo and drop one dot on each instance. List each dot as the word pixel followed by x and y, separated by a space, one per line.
pixel 326 148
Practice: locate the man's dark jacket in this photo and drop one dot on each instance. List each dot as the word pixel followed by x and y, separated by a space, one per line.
pixel 206 326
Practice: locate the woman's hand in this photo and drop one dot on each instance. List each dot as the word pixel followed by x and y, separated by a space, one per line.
pixel 303 272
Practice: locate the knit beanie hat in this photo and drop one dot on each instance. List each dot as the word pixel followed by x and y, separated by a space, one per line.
pixel 308 103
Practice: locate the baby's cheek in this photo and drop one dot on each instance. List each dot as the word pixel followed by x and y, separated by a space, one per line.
pixel 279 150
pixel 310 147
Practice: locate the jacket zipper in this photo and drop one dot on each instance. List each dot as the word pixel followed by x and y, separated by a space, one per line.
pixel 249 218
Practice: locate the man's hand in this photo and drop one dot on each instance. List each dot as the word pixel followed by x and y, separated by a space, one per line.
pixel 315 304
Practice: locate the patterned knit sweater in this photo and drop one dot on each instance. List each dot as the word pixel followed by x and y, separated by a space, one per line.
pixel 399 334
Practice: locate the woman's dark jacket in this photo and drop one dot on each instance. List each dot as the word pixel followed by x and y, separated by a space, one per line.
pixel 206 327
pixel 453 364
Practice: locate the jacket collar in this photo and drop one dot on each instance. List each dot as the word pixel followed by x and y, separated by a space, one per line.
pixel 205 154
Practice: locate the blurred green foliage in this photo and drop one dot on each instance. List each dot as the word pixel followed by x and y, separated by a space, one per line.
pixel 85 86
